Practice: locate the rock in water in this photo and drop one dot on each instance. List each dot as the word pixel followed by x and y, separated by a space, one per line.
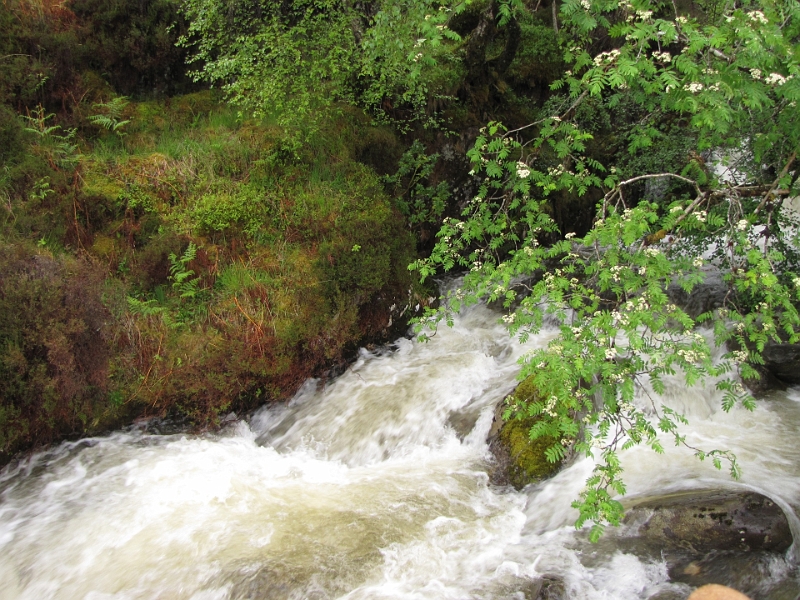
pixel 713 520
pixel 519 460
pixel 716 592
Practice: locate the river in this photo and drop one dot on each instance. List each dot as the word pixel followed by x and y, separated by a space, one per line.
pixel 372 486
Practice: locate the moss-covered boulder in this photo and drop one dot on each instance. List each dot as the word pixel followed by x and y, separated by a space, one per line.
pixel 519 460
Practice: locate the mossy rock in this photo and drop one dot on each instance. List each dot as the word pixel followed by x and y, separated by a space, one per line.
pixel 520 460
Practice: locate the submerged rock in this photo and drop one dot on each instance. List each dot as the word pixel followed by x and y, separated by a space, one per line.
pixel 713 520
pixel 783 362
pixel 519 460
pixel 549 587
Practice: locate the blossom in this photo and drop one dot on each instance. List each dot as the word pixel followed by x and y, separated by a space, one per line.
pixel 697 262
pixel 606 57
pixel 740 355
pixel 755 73
pixel 693 87
pixel 775 79
pixel 758 17
pixel 664 57
pixel 522 170
pixel 742 224
pixel 586 4
pixel 610 353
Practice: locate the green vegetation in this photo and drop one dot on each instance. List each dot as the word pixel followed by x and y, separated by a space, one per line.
pixel 529 456
pixel 221 255
pixel 726 79
pixel 155 240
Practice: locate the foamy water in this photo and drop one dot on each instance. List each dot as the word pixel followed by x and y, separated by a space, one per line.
pixel 374 486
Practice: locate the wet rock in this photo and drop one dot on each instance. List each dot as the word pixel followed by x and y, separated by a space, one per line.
pixel 717 592
pixel 704 297
pixel 519 461
pixel 713 520
pixel 667 595
pixel 783 362
pixel 757 574
pixel 549 587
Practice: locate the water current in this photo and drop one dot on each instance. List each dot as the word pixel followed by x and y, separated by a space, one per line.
pixel 372 486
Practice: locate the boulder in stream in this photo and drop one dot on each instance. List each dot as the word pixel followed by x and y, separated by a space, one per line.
pixel 704 297
pixel 519 460
pixel 713 520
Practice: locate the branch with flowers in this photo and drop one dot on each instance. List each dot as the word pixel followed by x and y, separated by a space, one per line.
pixel 734 82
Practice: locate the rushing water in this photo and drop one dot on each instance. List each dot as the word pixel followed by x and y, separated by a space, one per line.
pixel 374 486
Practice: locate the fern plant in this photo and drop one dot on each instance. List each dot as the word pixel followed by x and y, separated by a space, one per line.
pixel 111 116
pixel 181 275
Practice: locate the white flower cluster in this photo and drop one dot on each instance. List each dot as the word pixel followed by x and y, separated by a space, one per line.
pixel 710 71
pixel 586 5
pixel 569 236
pixel 740 356
pixel 610 353
pixel 522 170
pixel 510 318
pixel 644 14
pixel 606 57
pixel 550 406
pixel 776 79
pixel 652 252
pixel 796 282
pixel 689 355
pixel 697 262
pixel 675 209
pixel 755 73
pixel 693 87
pixel 615 271
pixel 663 57
pixel 742 224
pixel 758 17
pixel 681 20
pixel 701 215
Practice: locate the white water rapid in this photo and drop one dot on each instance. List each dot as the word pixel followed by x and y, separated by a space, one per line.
pixel 372 487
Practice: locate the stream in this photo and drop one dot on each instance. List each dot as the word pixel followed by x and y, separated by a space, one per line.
pixel 373 486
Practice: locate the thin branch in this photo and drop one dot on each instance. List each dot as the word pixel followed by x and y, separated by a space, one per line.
pixel 780 176
pixel 562 116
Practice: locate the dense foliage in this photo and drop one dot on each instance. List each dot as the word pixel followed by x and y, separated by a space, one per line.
pixel 579 160
pixel 729 75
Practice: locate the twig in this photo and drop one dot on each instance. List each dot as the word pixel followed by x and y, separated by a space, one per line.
pixel 782 174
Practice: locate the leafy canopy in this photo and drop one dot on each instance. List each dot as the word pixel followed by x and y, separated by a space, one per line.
pixel 297 59
pixel 731 77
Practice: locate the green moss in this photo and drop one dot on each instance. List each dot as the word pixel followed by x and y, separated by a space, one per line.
pixel 528 457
